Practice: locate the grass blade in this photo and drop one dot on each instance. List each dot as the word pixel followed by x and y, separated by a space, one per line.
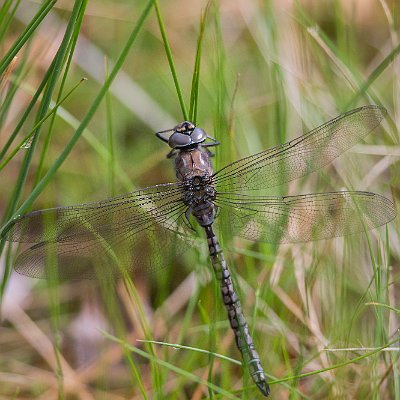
pixel 374 76
pixel 171 367
pixel 52 170
pixel 6 17
pixel 50 86
pixel 110 138
pixel 25 142
pixel 194 94
pixel 76 26
pixel 28 109
pixel 170 60
pixel 25 36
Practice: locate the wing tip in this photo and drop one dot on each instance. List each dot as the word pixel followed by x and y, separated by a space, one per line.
pixel 379 110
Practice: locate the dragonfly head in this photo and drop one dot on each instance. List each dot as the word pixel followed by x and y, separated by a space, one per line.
pixel 185 134
pixel 185 127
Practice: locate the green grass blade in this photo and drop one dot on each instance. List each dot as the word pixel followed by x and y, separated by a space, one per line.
pixel 170 60
pixel 110 138
pixel 28 109
pixel 58 61
pixel 11 85
pixel 336 366
pixel 50 86
pixel 4 10
pixel 194 93
pixel 4 79
pixel 28 137
pixel 374 76
pixel 44 105
pixel 171 367
pixel 155 373
pixel 75 29
pixel 196 349
pixel 26 35
pixel 7 16
pixel 85 121
pixel 92 141
pixel 374 303
pixel 220 120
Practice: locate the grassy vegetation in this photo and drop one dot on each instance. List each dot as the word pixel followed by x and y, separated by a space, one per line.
pixel 324 315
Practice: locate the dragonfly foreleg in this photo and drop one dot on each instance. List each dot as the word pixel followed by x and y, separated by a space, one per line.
pixel 172 153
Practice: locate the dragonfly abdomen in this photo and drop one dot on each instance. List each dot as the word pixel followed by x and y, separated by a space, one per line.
pixel 243 339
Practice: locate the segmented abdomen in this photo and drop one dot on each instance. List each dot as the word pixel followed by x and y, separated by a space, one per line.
pixel 238 323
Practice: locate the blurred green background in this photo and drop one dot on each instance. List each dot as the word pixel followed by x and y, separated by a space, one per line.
pixel 269 71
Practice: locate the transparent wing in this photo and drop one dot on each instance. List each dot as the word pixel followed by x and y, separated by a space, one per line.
pixel 114 216
pixel 300 156
pixel 136 231
pixel 144 251
pixel 303 218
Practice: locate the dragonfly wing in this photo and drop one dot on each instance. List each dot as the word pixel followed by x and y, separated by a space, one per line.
pixel 300 156
pixel 303 218
pixel 138 231
pixel 106 257
pixel 111 216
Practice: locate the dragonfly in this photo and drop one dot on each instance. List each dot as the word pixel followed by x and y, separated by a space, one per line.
pixel 140 231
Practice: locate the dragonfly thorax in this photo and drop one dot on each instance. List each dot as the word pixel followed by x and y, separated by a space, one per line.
pixel 194 170
pixel 192 163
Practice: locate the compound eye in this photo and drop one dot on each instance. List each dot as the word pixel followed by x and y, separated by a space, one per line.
pixel 198 135
pixel 179 140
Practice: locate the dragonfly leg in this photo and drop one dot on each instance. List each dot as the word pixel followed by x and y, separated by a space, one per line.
pixel 172 153
pixel 188 212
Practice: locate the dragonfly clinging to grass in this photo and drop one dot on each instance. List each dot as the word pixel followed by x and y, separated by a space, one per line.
pixel 140 231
